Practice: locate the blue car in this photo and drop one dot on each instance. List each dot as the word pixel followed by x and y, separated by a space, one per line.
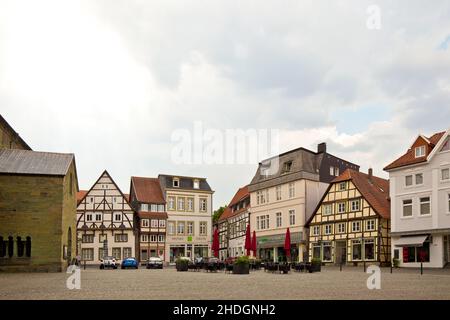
pixel 129 263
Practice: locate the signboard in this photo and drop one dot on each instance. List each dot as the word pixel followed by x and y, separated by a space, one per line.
pixel 278 240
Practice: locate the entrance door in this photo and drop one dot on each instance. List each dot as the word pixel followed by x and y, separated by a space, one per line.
pixel 341 252
pixel 446 248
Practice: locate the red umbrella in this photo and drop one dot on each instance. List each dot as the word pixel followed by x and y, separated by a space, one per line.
pixel 215 244
pixel 287 243
pixel 254 243
pixel 248 240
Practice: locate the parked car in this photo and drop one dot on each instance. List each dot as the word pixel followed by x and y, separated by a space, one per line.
pixel 154 263
pixel 129 263
pixel 108 262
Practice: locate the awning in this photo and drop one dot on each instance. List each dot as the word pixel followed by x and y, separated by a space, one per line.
pixel 412 241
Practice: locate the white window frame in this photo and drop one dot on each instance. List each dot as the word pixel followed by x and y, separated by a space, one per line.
pixel 145 223
pixel 176 182
pixel 370 225
pixel 144 206
pixel 415 178
pixel 406 180
pixel 203 228
pixel 422 203
pixel 181 204
pixel 162 223
pixel 196 184
pixel 292 217
pixel 354 224
pixel 339 206
pixel 328 229
pixel 171 228
pixel 341 227
pixel 325 211
pixel 279 219
pixel 291 190
pixel 190 228
pixel 352 203
pixel 154 223
pixel 171 202
pixel 278 192
pixel 144 237
pixel 420 152
pixel 316 230
pixel 203 204
pixel 407 205
pixel 448 174
pixel 342 186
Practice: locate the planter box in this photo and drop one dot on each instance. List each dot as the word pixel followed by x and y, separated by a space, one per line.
pixel 241 269
pixel 182 266
pixel 315 267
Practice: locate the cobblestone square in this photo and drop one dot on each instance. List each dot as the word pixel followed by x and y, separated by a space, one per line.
pixel 169 284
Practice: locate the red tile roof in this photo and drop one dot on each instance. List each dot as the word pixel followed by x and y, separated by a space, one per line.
pixel 374 189
pixel 410 157
pixel 240 195
pixel 147 190
pixel 152 215
pixel 80 195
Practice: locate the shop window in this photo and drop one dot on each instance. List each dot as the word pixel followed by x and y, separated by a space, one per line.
pixel 10 246
pixel 369 249
pixel 417 254
pixel 356 249
pixel 20 247
pixel 327 251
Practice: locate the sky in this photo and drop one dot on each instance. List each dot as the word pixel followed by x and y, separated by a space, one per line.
pixel 111 81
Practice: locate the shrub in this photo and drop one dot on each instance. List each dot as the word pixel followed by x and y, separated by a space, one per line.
pixel 242 260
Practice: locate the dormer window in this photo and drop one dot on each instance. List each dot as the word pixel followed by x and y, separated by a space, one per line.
pixel 287 167
pixel 176 182
pixel 196 184
pixel 420 152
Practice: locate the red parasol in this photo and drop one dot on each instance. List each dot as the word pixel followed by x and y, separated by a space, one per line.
pixel 248 240
pixel 287 243
pixel 254 243
pixel 215 244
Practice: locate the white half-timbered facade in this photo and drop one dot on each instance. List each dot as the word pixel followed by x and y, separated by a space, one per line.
pixel 105 222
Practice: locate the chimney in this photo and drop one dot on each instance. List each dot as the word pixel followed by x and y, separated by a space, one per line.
pixel 370 173
pixel 322 147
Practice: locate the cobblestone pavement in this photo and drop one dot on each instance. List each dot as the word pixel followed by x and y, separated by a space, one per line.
pixel 169 284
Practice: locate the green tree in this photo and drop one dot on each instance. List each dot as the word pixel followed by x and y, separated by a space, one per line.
pixel 218 213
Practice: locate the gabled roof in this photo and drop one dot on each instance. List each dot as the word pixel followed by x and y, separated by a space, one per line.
pixel 80 195
pixel 240 195
pixel 374 189
pixel 147 190
pixel 15 161
pixel 14 133
pixel 409 157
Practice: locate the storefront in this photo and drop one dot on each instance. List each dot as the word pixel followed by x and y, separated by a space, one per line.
pixel 271 248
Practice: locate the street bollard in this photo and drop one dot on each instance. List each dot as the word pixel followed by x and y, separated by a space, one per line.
pixel 364 267
pixel 84 264
pixel 340 266
pixel 421 268
pixel 391 267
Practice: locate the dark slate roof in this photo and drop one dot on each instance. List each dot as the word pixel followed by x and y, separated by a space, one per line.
pixel 186 183
pixel 35 163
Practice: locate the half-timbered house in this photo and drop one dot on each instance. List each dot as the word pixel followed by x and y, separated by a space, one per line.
pixel 351 224
pixel 105 222
pixel 147 199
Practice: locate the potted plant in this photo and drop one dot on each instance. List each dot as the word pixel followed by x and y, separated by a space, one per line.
pixel 396 263
pixel 241 265
pixel 316 265
pixel 182 264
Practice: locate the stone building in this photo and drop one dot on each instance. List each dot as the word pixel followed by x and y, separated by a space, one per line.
pixel 9 138
pixel 37 210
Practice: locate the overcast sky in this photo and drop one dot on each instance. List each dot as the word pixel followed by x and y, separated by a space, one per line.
pixel 112 80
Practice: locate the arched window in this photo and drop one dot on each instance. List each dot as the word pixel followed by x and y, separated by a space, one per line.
pixel 28 247
pixel 20 247
pixel 10 246
pixel 2 248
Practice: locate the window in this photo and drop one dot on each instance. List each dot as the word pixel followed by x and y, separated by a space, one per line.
pixel 354 205
pixel 89 217
pixel 327 249
pixel 425 206
pixel 341 207
pixel 162 223
pixel 118 217
pixel 291 217
pixel 408 181
pixel 126 253
pixel 102 238
pixel 153 238
pixel 258 223
pixel 327 209
pixel 267 196
pixel 417 254
pixel 356 226
pixel 171 203
pixel 264 222
pixel 98 217
pixel 144 207
pixel 145 223
pixel 316 230
pixel 190 204
pixel 3 244
pixel 154 223
pixel 265 172
pixel 420 151
pixel 117 253
pixel 161 208
pixel 331 171
pixel 356 249
pixel 258 194
pixel 171 228
pixel 279 220
pixel 419 178
pixel 20 247
pixel 180 228
pixel 203 228
pixel 317 251
pixel 176 182
pixel 154 208
pixel 161 238
pixel 369 249
pixel 342 186
pixel 407 208
pixel 336 171
pixel 278 191
pixel 291 190
pixel 144 237
pixel 123 237
pixel 87 238
pixel 180 205
pixel 445 174
pixel 190 228
pixel 101 253
pixel 287 167
pixel 341 228
pixel 87 254
pixel 203 205
pixel 196 184
pixel 327 229
pixel 370 225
